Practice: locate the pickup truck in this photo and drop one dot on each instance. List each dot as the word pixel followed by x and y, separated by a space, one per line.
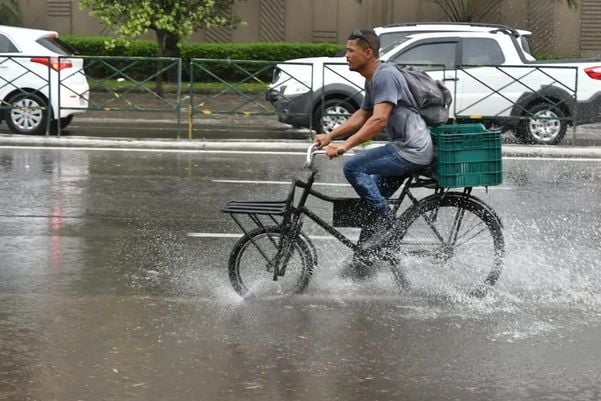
pixel 492 78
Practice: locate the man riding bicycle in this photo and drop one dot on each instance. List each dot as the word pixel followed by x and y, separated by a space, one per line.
pixel 377 173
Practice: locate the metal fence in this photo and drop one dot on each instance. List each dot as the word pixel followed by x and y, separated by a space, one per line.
pixel 159 92
pixel 229 90
pixel 131 88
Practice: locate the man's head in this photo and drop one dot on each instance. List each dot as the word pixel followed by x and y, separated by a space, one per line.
pixel 362 49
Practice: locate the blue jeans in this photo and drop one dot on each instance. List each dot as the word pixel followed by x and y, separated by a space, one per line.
pixel 376 174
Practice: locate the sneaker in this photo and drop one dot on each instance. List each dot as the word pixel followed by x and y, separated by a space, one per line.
pixel 383 240
pixel 355 269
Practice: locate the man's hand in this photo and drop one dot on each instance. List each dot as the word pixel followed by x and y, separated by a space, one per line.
pixel 332 149
pixel 322 140
pixel 336 149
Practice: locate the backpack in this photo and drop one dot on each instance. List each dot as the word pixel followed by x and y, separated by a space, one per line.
pixel 433 98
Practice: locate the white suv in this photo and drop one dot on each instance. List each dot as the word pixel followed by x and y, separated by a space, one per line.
pixel 32 62
pixel 301 104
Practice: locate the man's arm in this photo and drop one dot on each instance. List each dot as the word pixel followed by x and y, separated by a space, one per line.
pixel 371 127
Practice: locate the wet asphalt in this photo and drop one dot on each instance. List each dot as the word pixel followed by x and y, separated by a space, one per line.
pixel 113 286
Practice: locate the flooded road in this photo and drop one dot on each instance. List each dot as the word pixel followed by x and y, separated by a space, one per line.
pixel 113 286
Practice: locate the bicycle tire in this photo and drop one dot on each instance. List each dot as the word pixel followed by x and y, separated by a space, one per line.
pixel 250 273
pixel 472 250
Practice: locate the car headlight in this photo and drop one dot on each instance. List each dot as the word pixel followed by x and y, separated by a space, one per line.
pixel 292 87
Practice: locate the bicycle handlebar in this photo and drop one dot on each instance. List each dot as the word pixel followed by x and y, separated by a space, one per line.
pixel 311 152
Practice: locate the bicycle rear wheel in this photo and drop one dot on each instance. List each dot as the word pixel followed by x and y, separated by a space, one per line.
pixel 251 264
pixel 450 241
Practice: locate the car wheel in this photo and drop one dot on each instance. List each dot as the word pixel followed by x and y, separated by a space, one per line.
pixel 333 113
pixel 28 114
pixel 546 126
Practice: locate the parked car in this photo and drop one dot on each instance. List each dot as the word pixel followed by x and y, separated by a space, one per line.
pixel 300 106
pixel 537 100
pixel 31 63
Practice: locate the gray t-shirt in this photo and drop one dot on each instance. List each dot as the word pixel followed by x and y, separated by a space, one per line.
pixel 406 129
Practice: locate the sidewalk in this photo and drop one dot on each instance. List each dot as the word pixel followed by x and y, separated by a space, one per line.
pixel 282 145
pixel 250 133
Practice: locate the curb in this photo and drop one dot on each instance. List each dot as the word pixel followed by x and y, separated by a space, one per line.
pixel 167 144
pixel 509 150
pixel 552 151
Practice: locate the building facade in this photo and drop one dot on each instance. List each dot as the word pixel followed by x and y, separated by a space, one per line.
pixel 556 29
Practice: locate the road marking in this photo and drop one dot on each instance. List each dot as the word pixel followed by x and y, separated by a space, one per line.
pixel 229 235
pixel 328 184
pixel 157 150
pixel 568 159
pixel 323 184
pixel 255 152
pixel 213 235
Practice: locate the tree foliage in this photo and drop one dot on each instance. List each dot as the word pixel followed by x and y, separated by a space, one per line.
pixel 10 14
pixel 171 20
pixel 130 19
pixel 477 10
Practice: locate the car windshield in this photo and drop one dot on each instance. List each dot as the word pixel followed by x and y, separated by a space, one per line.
pixel 391 45
pixel 391 39
pixel 56 45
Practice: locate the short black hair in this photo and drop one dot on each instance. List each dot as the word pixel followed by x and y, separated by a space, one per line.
pixel 367 37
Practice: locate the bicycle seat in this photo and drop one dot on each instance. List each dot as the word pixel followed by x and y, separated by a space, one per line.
pixel 428 171
pixel 425 177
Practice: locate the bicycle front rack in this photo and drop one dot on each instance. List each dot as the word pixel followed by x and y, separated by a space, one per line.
pixel 276 212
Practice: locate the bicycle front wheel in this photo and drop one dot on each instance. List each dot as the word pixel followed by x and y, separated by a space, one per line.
pixel 452 241
pixel 253 259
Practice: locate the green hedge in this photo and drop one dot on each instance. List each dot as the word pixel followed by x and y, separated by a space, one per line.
pixel 268 51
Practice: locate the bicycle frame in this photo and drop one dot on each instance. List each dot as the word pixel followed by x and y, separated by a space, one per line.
pixel 292 214
pixel 414 181
pixel 429 232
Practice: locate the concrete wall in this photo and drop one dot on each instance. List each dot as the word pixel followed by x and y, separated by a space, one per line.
pixel 556 28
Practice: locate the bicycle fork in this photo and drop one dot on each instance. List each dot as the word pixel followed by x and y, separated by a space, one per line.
pixel 285 249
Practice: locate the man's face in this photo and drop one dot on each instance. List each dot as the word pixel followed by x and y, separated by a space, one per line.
pixel 356 56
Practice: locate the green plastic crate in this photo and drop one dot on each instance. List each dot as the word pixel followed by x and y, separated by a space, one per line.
pixel 468 156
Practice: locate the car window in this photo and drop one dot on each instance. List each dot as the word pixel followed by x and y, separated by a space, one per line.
pixel 525 42
pixel 481 51
pixel 56 45
pixel 436 53
pixel 6 46
pixel 391 46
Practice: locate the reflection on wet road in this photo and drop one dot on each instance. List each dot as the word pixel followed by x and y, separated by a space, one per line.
pixel 113 286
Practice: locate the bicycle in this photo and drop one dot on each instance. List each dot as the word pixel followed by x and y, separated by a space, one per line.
pixel 448 231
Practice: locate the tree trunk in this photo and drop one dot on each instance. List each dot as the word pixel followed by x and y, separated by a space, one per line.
pixel 160 52
pixel 172 50
pixel 167 46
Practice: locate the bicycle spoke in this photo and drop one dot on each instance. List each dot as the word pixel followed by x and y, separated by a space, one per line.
pixel 465 240
pixel 450 241
pixel 288 268
pixel 456 226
